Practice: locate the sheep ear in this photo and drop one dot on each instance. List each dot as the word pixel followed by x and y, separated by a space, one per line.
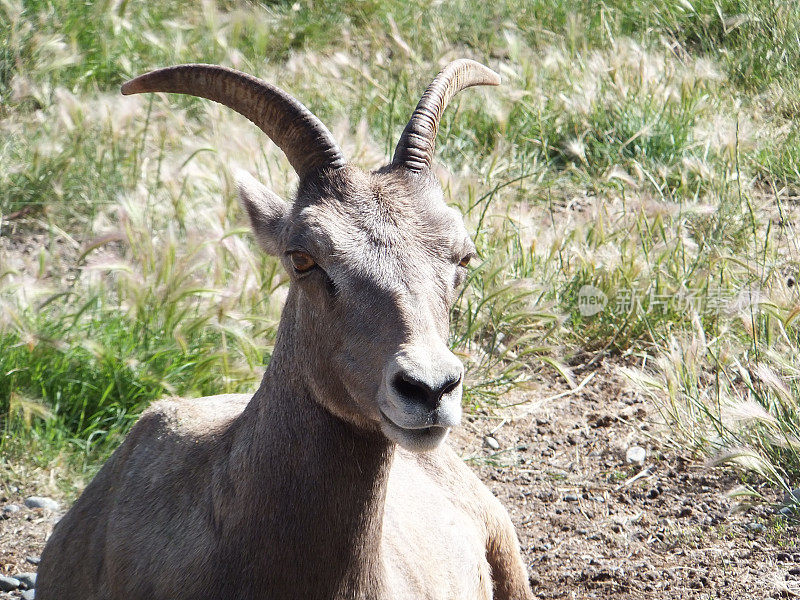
pixel 266 210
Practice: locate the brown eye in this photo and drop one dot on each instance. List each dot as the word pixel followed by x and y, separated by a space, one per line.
pixel 302 261
pixel 465 261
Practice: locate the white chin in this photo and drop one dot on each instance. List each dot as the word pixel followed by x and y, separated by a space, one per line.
pixel 415 440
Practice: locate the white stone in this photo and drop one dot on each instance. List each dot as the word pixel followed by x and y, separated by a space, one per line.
pixel 635 455
pixel 41 502
pixel 492 443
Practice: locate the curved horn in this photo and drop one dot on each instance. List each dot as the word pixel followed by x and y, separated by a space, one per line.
pixel 415 149
pixel 306 142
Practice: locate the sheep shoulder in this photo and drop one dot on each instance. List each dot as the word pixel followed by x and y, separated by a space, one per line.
pixel 156 489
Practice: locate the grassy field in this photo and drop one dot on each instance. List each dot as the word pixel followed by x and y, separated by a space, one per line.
pixel 640 159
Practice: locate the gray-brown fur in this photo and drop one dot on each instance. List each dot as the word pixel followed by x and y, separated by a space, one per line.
pixel 332 481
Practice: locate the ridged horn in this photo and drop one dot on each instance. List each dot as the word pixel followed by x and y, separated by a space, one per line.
pixel 306 142
pixel 415 149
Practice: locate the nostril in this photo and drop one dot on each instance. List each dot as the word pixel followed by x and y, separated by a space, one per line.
pixel 414 390
pixel 451 385
pixel 411 388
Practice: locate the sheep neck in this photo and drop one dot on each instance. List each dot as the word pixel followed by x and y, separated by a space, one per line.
pixel 317 488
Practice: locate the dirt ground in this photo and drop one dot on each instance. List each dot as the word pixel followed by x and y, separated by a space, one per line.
pixel 593 526
pixel 590 525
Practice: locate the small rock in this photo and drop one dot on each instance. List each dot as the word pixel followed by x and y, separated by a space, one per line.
pixel 492 443
pixel 794 571
pixel 8 510
pixel 756 527
pixel 8 584
pixel 41 502
pixel 28 595
pixel 571 498
pixel 635 455
pixel 27 581
pixel 793 498
pixel 34 560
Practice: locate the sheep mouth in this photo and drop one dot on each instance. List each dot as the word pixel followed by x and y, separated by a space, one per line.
pixel 418 439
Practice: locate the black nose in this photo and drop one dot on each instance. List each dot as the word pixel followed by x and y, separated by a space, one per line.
pixel 417 391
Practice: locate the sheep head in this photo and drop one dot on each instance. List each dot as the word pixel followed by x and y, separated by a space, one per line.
pixel 375 258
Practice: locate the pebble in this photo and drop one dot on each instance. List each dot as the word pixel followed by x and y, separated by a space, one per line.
pixel 26 580
pixel 756 527
pixel 492 443
pixel 10 509
pixel 793 498
pixel 571 498
pixel 34 560
pixel 29 595
pixel 41 502
pixel 635 455
pixel 8 584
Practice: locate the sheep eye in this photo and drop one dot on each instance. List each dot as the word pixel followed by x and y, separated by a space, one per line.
pixel 302 261
pixel 465 261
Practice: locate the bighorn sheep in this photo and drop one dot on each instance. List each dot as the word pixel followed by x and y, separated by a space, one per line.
pixel 332 481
